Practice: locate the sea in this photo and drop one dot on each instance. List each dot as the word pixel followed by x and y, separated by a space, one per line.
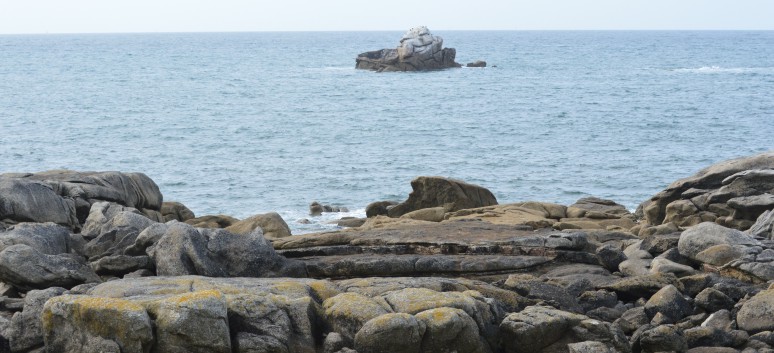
pixel 249 123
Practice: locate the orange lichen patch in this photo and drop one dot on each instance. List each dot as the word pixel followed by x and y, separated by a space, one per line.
pixel 322 290
pixel 111 318
pixel 193 297
pixel 288 288
pixel 98 303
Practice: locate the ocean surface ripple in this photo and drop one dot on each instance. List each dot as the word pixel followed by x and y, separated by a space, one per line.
pixel 247 123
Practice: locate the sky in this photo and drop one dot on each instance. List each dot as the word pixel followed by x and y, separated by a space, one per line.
pixel 121 16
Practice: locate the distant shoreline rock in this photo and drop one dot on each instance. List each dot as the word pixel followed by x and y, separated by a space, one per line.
pixel 419 50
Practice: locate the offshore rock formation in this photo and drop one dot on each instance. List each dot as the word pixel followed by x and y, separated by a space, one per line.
pixel 449 269
pixel 419 50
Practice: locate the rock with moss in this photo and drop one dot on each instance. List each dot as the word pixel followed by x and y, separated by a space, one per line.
pixel 191 322
pixel 346 313
pixel 264 322
pixel 76 323
pixel 450 329
pixel 394 332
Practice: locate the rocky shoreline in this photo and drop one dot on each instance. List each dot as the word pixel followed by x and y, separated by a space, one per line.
pixel 97 261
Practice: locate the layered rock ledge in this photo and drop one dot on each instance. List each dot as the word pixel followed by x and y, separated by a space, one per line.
pixel 104 265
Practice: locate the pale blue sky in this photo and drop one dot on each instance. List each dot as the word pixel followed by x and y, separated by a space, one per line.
pixel 90 16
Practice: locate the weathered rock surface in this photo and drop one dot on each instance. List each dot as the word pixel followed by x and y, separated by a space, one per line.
pixel 272 225
pixel 111 231
pixel 757 314
pixel 32 201
pixel 74 323
pixel 732 193
pixel 26 268
pixel 669 302
pixel 763 226
pixel 419 50
pixel 176 211
pixel 451 194
pixel 395 332
pixel 212 221
pixel 65 197
pixel 536 328
pixel 25 331
pixel 46 238
pixel 184 250
pixel 528 276
pixel 192 313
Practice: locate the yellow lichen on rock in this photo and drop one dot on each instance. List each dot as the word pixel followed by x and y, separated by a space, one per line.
pixel 74 322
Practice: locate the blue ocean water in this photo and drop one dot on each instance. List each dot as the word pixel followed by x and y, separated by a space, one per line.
pixel 246 123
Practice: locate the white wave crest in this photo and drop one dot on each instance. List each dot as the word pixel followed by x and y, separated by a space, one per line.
pixel 733 70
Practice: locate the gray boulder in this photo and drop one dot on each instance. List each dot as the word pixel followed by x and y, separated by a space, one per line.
pixel 24 200
pixel 176 211
pixel 452 194
pixel 81 189
pixel 419 50
pixel 610 256
pixel 633 288
pixel 699 238
pixel 596 208
pixel 46 238
pixel 393 332
pixel 379 208
pixel 75 323
pixel 193 322
pixel 669 302
pixel 712 300
pixel 25 331
pixel 27 268
pixel 663 338
pixel 707 337
pixel 185 250
pixel 764 226
pixel 702 188
pixel 115 235
pixel 119 265
pixel 272 225
pixel 756 313
pixel 536 328
pixel 450 329
pixel 264 322
pixel 346 313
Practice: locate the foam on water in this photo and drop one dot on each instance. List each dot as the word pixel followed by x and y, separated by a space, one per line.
pixel 733 70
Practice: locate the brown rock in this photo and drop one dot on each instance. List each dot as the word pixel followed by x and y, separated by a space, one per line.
pixel 171 210
pixel 438 191
pixel 271 223
pixel 216 221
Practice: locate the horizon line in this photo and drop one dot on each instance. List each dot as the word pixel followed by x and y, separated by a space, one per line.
pixel 399 30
